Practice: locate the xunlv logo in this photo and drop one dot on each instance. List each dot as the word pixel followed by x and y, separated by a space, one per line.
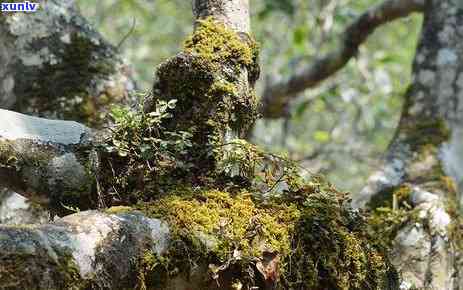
pixel 19 7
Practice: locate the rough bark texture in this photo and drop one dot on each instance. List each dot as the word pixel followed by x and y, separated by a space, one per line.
pixel 235 14
pixel 220 240
pixel 89 250
pixel 276 96
pixel 54 65
pixel 425 156
pixel 47 160
pixel 109 251
pixel 212 80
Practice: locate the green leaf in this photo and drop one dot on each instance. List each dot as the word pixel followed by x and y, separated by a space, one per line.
pixel 300 35
pixel 321 136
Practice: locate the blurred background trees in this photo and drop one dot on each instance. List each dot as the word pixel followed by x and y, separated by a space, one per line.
pixel 342 127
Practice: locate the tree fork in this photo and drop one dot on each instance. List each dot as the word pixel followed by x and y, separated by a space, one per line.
pixel 216 239
pixel 212 80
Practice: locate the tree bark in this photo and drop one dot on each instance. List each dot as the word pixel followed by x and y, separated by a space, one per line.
pixel 425 156
pixel 55 65
pixel 115 250
pixel 235 14
pixel 89 247
pixel 46 160
pixel 89 250
pixel 65 176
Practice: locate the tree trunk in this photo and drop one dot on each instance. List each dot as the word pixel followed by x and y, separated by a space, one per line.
pixel 423 166
pixel 197 237
pixel 55 65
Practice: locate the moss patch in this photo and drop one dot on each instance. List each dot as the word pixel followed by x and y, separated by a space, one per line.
pixel 208 79
pixel 175 163
pixel 202 94
pixel 64 92
pixel 16 271
pixel 317 241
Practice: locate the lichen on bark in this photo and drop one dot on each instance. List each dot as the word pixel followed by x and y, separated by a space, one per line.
pixel 25 271
pixel 62 68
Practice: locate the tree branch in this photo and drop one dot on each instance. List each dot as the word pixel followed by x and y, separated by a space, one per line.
pixel 88 248
pixel 61 69
pixel 47 160
pixel 107 251
pixel 421 177
pixel 276 96
pixel 234 14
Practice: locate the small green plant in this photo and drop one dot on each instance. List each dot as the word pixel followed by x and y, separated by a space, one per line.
pixel 140 151
pixel 139 133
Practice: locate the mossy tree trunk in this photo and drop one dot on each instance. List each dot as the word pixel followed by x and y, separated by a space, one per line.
pixel 423 172
pixel 55 65
pixel 73 75
pixel 198 237
pixel 213 90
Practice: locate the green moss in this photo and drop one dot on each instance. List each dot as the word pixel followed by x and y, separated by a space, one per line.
pixel 225 224
pixel 11 158
pixel 119 210
pixel 219 44
pixel 421 132
pixel 207 81
pixel 391 210
pixel 229 219
pixel 153 271
pixel 426 170
pixel 333 250
pixel 8 158
pixel 174 163
pixel 64 89
pixel 17 273
pixel 385 223
pixel 454 209
pixel 319 243
pixel 200 96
